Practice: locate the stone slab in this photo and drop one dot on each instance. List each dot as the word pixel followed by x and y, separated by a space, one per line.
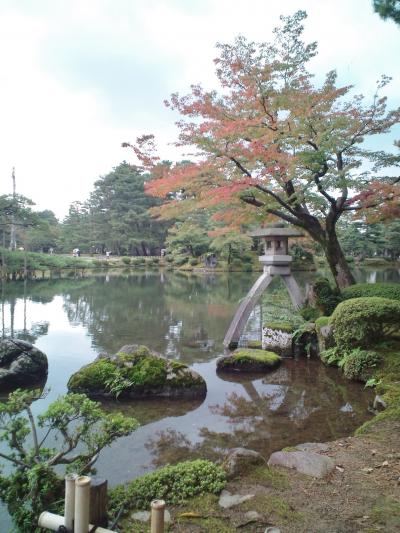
pixel 308 463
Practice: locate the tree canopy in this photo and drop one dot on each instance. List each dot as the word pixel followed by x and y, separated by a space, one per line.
pixel 274 140
pixel 388 9
pixel 116 216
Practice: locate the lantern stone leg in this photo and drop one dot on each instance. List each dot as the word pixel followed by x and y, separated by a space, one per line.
pixel 294 291
pixel 244 310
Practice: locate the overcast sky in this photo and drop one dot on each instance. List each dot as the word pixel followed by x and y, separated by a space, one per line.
pixel 78 77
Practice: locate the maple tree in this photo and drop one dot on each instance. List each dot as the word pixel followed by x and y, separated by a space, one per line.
pixel 274 141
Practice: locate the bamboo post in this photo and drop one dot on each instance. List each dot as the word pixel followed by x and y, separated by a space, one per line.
pixel 157 516
pixel 69 511
pixel 98 502
pixel 82 502
pixel 54 522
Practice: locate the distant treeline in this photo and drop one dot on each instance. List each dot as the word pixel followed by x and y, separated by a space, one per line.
pixel 120 218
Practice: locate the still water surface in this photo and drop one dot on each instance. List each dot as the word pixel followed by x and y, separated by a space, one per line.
pixel 183 317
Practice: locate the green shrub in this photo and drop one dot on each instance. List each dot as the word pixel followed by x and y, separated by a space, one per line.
pixel 359 364
pixel 180 260
pixel 126 260
pixel 193 261
pixel 331 356
pixel 326 298
pixel 361 321
pixel 383 290
pixel 174 484
pixel 309 314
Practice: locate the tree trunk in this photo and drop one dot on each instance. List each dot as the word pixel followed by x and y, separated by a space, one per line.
pixel 337 261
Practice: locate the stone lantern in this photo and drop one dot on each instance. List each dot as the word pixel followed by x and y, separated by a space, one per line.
pixel 276 259
pixel 276 262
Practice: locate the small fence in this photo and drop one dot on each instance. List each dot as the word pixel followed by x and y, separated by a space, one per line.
pixel 85 501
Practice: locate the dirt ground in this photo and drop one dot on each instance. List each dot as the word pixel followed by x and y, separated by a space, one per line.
pixel 362 494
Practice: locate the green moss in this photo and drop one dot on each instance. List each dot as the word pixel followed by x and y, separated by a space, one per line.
pixel 270 505
pixel 257 345
pixel 268 477
pixel 91 376
pixel 259 356
pixel 209 519
pixel 389 414
pixel 286 327
pixel 386 512
pixel 322 321
pixel 132 372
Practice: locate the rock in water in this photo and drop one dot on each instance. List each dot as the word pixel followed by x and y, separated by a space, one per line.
pixel 135 373
pixel 248 360
pixel 21 364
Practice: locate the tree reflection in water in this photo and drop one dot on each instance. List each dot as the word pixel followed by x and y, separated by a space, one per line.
pixel 301 401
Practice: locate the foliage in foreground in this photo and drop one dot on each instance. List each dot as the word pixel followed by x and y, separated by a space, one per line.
pixel 174 484
pixel 361 322
pixel 75 423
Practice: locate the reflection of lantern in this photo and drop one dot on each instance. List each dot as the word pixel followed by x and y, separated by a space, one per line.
pixel 276 261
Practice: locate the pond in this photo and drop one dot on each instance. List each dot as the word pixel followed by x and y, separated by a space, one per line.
pixel 184 317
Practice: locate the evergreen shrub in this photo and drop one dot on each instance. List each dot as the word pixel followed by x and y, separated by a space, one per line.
pixel 173 483
pixel 360 364
pixel 326 298
pixel 361 321
pixel 383 290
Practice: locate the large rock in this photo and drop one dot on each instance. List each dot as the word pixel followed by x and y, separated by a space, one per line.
pixel 324 331
pixel 248 360
pixel 309 463
pixel 21 364
pixel 239 459
pixel 277 337
pixel 135 373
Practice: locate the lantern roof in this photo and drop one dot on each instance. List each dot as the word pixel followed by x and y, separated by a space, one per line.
pixel 275 231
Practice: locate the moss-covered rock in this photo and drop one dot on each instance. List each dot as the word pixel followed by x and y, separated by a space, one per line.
pixel 254 344
pixel 287 327
pixel 248 360
pixel 135 372
pixel 277 337
pixel 324 330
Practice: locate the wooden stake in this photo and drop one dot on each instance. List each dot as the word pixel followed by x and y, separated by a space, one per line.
pixel 98 502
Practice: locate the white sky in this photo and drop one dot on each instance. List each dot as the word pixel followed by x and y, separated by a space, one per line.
pixel 78 77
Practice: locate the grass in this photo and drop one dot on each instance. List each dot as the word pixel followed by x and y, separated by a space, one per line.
pixel 271 506
pixel 387 377
pixel 269 477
